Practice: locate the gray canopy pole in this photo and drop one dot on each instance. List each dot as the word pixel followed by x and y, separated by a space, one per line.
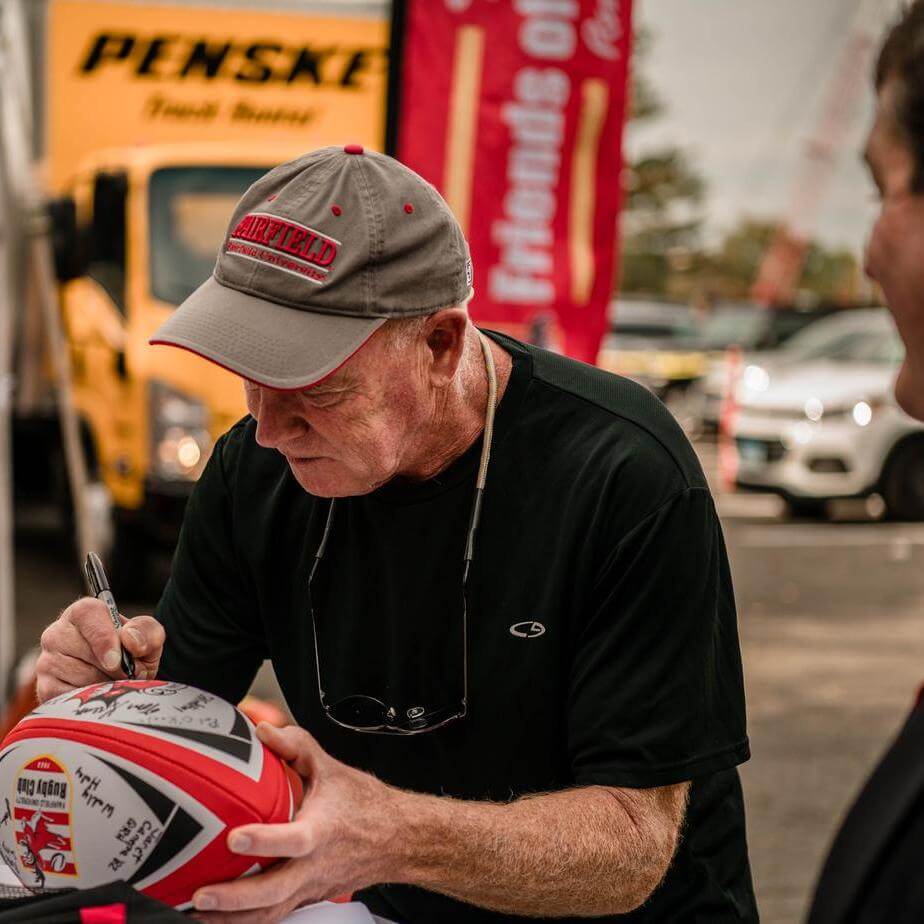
pixel 27 269
pixel 9 260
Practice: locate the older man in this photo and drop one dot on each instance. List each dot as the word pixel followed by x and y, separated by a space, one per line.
pixel 491 581
pixel 873 872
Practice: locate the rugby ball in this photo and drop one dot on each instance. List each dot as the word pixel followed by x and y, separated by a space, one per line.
pixel 136 780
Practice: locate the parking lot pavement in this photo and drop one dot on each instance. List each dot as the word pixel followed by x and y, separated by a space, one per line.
pixel 832 628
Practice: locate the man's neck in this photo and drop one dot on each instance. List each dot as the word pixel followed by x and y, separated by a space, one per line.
pixel 460 421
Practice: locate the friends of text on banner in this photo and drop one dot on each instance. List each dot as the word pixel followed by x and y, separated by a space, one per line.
pixel 514 110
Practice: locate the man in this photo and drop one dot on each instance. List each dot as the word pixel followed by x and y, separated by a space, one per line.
pixel 512 700
pixel 873 872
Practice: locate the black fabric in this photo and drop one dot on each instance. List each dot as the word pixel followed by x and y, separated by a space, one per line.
pixel 65 908
pixel 895 892
pixel 873 870
pixel 597 524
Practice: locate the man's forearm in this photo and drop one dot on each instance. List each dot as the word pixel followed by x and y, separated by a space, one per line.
pixel 587 851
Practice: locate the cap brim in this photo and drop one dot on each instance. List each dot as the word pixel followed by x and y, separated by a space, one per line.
pixel 270 344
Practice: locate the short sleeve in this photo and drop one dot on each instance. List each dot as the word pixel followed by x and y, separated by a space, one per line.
pixel 656 690
pixel 214 635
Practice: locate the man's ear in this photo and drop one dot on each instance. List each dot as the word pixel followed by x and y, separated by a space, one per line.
pixel 446 343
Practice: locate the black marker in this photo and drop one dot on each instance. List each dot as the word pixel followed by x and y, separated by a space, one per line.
pixel 99 587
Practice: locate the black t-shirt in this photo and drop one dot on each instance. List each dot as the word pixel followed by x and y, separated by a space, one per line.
pixel 602 636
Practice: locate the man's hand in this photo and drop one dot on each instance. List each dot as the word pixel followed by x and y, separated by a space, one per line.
pixel 81 647
pixel 339 841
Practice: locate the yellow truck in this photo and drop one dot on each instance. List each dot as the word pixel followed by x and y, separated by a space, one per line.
pixel 157 120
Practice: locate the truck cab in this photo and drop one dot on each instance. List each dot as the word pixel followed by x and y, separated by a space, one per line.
pixel 144 230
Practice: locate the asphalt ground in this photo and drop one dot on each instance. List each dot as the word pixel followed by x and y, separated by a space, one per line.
pixel 831 616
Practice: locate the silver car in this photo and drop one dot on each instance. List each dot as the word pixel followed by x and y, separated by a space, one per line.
pixel 818 421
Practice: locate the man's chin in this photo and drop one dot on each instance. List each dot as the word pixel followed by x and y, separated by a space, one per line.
pixel 323 477
pixel 909 391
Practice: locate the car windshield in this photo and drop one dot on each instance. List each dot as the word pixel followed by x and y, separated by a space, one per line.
pixel 786 323
pixel 754 327
pixel 732 325
pixel 651 320
pixel 868 337
pixel 189 212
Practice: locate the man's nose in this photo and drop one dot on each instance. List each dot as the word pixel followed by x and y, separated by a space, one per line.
pixel 273 414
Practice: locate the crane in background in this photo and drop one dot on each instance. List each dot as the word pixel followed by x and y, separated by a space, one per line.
pixel 781 268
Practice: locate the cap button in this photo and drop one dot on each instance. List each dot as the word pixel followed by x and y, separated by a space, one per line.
pixel 353 149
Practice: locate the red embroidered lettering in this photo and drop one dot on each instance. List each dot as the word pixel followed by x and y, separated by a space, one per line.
pixel 306 247
pixel 294 240
pixel 273 228
pixel 243 227
pixel 325 256
pixel 282 236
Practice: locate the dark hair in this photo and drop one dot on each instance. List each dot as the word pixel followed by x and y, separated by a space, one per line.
pixel 901 58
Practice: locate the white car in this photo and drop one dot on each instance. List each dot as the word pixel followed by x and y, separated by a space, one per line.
pixel 820 422
pixel 761 333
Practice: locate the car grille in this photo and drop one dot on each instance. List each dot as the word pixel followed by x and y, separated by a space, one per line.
pixel 829 466
pixel 773 450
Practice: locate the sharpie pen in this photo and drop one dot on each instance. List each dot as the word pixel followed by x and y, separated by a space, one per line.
pixel 99 587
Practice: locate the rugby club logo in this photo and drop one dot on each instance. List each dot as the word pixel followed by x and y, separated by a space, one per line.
pixel 285 245
pixel 42 820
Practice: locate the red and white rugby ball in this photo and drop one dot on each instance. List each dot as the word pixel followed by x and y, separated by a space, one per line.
pixel 136 780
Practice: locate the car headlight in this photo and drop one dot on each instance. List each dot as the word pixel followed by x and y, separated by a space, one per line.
pixel 814 409
pixel 865 411
pixel 755 378
pixel 180 438
pixel 861 412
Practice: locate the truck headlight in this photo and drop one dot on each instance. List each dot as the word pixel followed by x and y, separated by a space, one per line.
pixel 180 438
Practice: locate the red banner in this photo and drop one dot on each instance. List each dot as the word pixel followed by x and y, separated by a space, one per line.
pixel 514 110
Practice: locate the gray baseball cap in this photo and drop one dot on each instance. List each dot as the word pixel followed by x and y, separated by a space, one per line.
pixel 320 252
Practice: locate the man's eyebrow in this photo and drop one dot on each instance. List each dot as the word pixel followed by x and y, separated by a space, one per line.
pixel 329 388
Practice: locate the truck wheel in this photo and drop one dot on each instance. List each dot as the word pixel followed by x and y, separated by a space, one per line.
pixel 903 482
pixel 807 508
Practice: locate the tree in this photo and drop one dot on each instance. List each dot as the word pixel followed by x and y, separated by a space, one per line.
pixel 663 193
pixel 661 222
pixel 829 275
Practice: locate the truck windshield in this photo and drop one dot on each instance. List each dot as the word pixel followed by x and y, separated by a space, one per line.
pixel 190 208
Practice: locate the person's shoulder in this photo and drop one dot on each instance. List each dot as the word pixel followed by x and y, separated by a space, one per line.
pixel 617 416
pixel 234 441
pixel 239 435
pixel 239 454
